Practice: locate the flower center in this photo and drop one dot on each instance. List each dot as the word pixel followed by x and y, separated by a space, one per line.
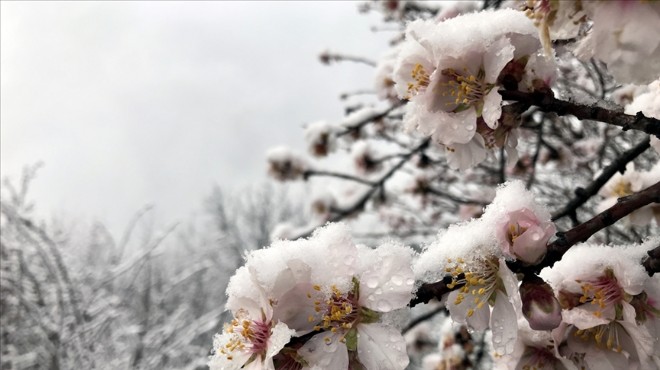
pixel 515 230
pixel 421 78
pixel 604 292
pixel 622 188
pixel 478 284
pixel 337 313
pixel 466 88
pixel 246 335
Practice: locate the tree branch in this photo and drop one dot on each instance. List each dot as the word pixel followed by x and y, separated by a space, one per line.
pixel 548 103
pixel 309 173
pixel 582 195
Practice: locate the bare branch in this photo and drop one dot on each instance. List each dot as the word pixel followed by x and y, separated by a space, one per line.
pixel 548 103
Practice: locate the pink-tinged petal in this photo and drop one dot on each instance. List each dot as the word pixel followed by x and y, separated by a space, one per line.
pixel 322 353
pixel 504 325
pixel 295 307
pixel 539 305
pixel 455 128
pixel 640 337
pixel 280 335
pixel 259 365
pixel 530 247
pixel 522 235
pixel 605 360
pixel 497 55
pixel 220 361
pixel 510 283
pixel 480 319
pixel 642 216
pixel 492 108
pixel 388 281
pixel 464 156
pixel 381 347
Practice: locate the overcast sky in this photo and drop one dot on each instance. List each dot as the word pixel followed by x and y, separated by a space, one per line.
pixel 130 103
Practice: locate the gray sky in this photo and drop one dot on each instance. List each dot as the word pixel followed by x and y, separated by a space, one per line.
pixel 129 103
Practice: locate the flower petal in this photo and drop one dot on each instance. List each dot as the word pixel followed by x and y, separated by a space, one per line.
pixel 387 282
pixel 280 335
pixel 322 353
pixel 503 323
pixel 381 347
pixel 492 108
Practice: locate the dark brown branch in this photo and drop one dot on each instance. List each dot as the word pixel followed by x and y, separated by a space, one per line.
pixel 582 195
pixel 428 291
pixel 652 262
pixel 375 117
pixel 420 319
pixel 377 185
pixel 328 57
pixel 548 103
pixel 453 198
pixel 340 214
pixel 309 173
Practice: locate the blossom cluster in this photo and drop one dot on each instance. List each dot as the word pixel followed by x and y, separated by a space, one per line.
pixel 443 81
pixel 597 305
pixel 317 303
pixel 325 302
pixel 474 254
pixel 451 72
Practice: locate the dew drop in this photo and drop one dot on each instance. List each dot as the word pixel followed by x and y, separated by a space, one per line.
pixel 536 236
pixel 410 282
pixel 469 127
pixel 379 291
pixel 397 280
pixel 454 126
pixel 383 306
pixel 372 282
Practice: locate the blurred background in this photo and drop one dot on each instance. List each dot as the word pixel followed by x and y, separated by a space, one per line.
pixel 133 139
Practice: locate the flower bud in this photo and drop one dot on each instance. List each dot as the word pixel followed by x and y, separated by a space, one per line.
pixel 523 236
pixel 539 305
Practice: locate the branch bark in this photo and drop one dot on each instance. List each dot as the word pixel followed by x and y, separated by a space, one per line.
pixel 582 195
pixel 548 103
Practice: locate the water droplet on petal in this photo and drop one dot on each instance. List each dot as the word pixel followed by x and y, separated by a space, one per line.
pixel 372 282
pixel 469 127
pixel 397 280
pixel 383 306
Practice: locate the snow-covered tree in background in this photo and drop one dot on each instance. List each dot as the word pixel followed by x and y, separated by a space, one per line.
pixel 503 171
